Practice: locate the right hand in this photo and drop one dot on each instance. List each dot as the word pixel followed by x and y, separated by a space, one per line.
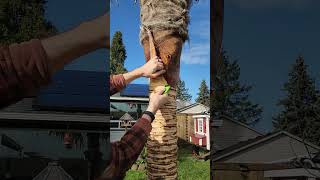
pixel 153 68
pixel 157 99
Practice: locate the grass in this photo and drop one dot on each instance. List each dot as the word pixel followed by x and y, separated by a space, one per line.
pixel 136 175
pixel 189 168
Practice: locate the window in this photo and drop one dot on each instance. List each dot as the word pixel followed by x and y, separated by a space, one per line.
pixel 200 125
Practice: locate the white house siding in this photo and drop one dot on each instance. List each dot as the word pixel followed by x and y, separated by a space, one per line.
pixel 273 150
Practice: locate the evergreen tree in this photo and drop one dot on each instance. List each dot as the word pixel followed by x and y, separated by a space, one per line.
pixel 300 106
pixel 182 91
pixel 204 94
pixel 230 97
pixel 22 20
pixel 118 54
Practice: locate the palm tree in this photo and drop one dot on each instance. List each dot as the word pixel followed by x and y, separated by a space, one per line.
pixel 164 30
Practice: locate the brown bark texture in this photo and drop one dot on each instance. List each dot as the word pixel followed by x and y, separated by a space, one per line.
pixel 162 143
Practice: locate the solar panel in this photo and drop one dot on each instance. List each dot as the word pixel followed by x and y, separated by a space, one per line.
pixel 76 90
pixel 136 90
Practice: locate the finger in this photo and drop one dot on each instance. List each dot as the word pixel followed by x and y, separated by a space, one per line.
pixel 160 66
pixel 156 58
pixel 158 73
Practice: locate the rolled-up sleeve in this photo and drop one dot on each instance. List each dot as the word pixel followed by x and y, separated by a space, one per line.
pixel 117 83
pixel 24 69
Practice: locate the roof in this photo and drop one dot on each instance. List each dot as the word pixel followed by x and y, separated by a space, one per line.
pixel 76 97
pixel 203 107
pixel 132 92
pixel 135 90
pixel 126 117
pixel 181 103
pixel 244 145
pixel 75 90
pixel 240 123
pixel 118 98
pixel 53 172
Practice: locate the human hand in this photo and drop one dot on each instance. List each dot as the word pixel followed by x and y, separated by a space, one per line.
pixel 153 68
pixel 157 99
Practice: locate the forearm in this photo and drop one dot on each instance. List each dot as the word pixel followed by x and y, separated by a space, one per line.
pixel 132 75
pixel 87 37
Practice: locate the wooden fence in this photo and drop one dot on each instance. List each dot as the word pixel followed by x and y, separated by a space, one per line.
pixel 184 126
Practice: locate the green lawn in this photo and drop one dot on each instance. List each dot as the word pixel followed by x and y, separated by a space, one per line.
pixel 136 175
pixel 188 168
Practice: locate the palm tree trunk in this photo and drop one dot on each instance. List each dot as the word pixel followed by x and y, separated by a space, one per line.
pixel 168 21
pixel 162 143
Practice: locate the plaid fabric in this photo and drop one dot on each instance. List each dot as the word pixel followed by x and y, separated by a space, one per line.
pixel 126 151
pixel 23 70
pixel 117 83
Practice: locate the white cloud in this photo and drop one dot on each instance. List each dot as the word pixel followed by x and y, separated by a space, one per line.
pixel 196 53
pixel 271 3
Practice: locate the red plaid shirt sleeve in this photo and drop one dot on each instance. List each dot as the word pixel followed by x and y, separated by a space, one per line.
pixel 126 151
pixel 117 83
pixel 23 70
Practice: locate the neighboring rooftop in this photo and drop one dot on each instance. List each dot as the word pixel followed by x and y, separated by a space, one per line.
pixel 75 90
pixel 136 90
pixel 195 108
pixel 244 146
pixel 75 97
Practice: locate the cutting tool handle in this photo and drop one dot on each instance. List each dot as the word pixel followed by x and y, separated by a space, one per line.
pixel 166 89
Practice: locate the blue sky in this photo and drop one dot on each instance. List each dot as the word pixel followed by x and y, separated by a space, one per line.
pixel 66 15
pixel 266 37
pixel 195 59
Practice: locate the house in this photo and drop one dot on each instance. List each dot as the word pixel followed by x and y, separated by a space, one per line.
pixel 266 150
pixel 127 105
pixel 32 130
pixel 133 100
pixel 273 147
pixel 201 135
pixel 193 109
pixel 193 123
pixel 228 132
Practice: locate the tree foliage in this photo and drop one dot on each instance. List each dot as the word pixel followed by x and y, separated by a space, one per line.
pixel 203 94
pixel 231 97
pixel 300 106
pixel 22 20
pixel 182 91
pixel 118 55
